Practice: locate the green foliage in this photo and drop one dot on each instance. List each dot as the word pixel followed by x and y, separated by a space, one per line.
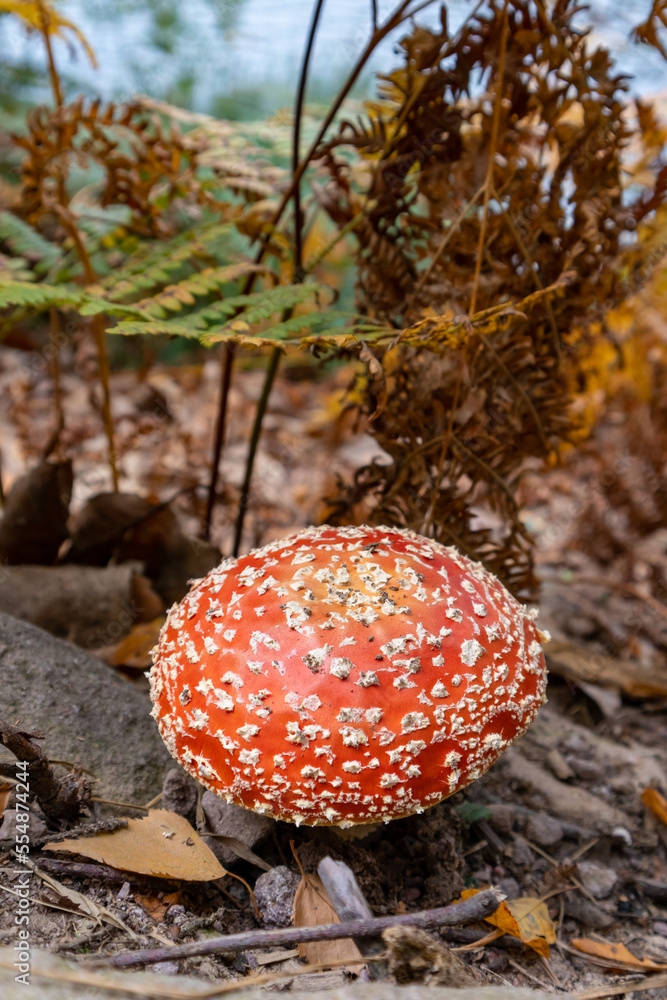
pixel 25 241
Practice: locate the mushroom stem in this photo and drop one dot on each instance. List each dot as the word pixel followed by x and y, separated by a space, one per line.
pixel 466 912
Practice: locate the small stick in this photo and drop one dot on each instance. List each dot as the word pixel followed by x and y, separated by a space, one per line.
pixel 350 903
pixel 60 798
pixel 475 908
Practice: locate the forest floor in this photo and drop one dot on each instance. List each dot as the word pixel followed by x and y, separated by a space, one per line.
pixel 559 818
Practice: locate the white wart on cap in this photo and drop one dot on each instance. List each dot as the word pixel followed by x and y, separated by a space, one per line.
pixel 345 675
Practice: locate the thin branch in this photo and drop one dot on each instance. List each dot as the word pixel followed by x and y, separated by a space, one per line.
pixel 475 908
pixel 60 798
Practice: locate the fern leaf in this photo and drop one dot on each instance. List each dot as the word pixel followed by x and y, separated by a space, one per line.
pixel 23 293
pixel 24 241
pixel 205 282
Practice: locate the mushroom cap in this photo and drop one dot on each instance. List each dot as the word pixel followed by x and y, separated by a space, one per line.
pixel 345 675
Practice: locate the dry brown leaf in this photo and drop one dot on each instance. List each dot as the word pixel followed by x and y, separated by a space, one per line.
pixel 312 906
pixel 154 907
pixel 135 649
pixel 617 955
pixel 526 918
pixel 5 793
pixel 656 802
pixel 162 844
pixel 577 663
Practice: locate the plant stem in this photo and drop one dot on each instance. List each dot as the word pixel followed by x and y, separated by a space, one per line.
pixel 271 372
pixel 225 381
pixel 379 33
pixel 297 278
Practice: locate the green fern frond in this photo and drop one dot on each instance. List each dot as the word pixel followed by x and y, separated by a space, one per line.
pixel 151 266
pixel 206 282
pixel 24 241
pixel 37 296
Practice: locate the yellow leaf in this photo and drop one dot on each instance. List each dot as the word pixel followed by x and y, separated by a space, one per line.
pixel 526 918
pixel 43 15
pixel 617 955
pixel 162 843
pixel 312 907
pixel 656 802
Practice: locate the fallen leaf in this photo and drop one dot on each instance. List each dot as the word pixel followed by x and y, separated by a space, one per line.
pixel 656 802
pixel 526 918
pixel 617 955
pixel 312 906
pixel 154 907
pixel 135 649
pixel 161 843
pixel 5 793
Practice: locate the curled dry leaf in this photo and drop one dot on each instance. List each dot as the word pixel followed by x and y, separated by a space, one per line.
pixel 5 792
pixel 526 918
pixel 161 844
pixel 312 906
pixel 616 955
pixel 656 802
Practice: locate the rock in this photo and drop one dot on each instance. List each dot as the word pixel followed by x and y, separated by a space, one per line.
pixel 510 887
pixel 597 879
pixel 179 793
pixel 544 830
pixel 275 891
pixel 502 817
pixel 521 852
pixel 232 821
pixel 587 913
pixel 569 802
pixel 90 715
pixel 165 968
pixel 660 928
pixel 587 770
pixel 36 826
pixel 559 765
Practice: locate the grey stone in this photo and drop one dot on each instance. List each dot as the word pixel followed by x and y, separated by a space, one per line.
pixel 275 892
pixel 510 887
pixel 544 830
pixel 232 821
pixel 587 913
pixel 597 879
pixel 587 770
pixel 179 793
pixel 90 715
pixel 36 825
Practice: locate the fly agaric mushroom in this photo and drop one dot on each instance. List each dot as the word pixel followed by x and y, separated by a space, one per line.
pixel 345 675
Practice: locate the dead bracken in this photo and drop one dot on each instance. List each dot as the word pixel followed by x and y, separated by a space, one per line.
pixel 300 720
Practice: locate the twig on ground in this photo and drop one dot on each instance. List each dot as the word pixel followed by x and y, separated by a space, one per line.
pixel 60 798
pixel 475 908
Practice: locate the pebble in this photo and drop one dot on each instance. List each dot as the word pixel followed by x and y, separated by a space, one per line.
pixel 544 830
pixel 510 887
pixel 179 793
pixel 502 817
pixel 660 927
pixel 587 913
pixel 585 769
pixel 559 765
pixel 521 852
pixel 597 879
pixel 165 968
pixel 8 831
pixel 124 891
pixel 274 892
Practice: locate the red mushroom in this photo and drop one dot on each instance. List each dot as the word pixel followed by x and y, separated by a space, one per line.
pixel 345 675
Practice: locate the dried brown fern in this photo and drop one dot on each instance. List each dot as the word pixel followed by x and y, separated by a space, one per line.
pixel 501 182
